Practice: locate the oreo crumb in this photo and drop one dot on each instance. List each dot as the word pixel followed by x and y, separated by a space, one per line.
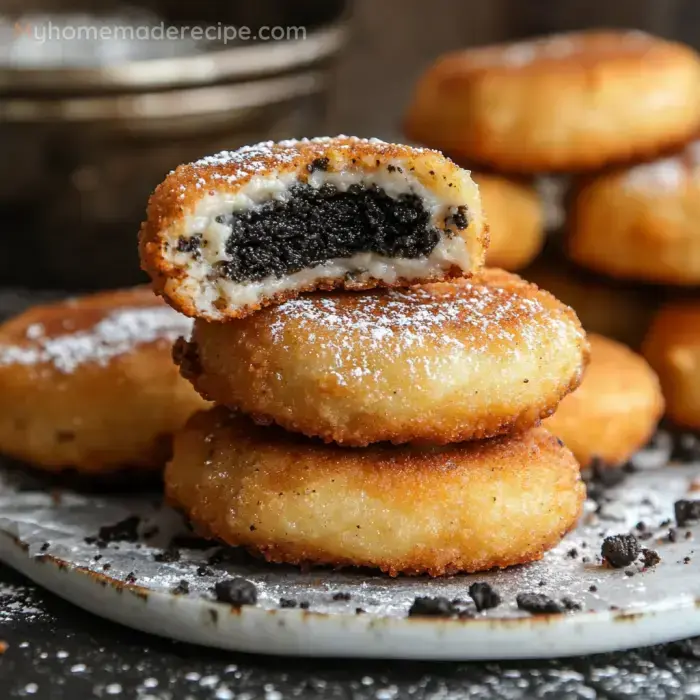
pixel 204 571
pixel 570 604
pixel 484 596
pixel 424 606
pixel 537 603
pixel 688 535
pixel 672 535
pixel 236 591
pixel 620 550
pixel 287 603
pixel 182 588
pixel 106 567
pixel 650 558
pixel 646 535
pixel 124 531
pixel 341 596
pixel 572 553
pixel 193 245
pixel 686 511
pixel 44 546
pixel 130 577
pixel 319 164
pixel 687 560
pixel 97 557
pixel 593 588
pixel 686 448
pixel 359 611
pixel 168 556
pixel 304 605
pixel 629 572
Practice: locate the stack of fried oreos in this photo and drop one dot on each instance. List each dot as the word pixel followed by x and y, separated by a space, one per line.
pixel 378 393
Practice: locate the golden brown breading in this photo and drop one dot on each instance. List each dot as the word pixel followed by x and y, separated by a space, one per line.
pixel 641 223
pixel 514 214
pixel 194 242
pixel 466 507
pixel 436 363
pixel 567 102
pixel 615 410
pixel 89 384
pixel 672 347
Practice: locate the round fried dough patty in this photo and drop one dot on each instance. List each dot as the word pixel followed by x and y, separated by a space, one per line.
pixel 88 383
pixel 437 363
pixel 436 510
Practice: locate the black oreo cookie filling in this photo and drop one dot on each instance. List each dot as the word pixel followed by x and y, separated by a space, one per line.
pixel 317 225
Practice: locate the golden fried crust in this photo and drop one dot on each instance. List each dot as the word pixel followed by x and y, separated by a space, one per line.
pixel 514 214
pixel 641 223
pixel 437 363
pixel 615 410
pixel 467 507
pixel 672 347
pixel 616 310
pixel 228 173
pixel 75 394
pixel 568 102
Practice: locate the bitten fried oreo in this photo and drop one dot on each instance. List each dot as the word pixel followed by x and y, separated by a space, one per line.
pixel 641 223
pixel 437 363
pixel 672 347
pixel 566 102
pixel 516 221
pixel 615 410
pixel 466 507
pixel 88 383
pixel 240 230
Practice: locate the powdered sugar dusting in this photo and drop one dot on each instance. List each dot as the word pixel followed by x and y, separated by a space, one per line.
pixel 399 321
pixel 263 156
pixel 116 334
pixel 666 174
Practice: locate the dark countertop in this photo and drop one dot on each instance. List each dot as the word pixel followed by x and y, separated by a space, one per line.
pixel 57 651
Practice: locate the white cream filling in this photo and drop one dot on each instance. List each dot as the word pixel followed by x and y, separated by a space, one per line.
pixel 205 289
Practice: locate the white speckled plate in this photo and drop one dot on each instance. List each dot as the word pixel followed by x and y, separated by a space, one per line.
pixel 618 610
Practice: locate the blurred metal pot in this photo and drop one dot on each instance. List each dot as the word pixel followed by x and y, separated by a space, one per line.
pixel 79 164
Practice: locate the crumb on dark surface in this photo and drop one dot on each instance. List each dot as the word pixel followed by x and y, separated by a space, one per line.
pixel 686 511
pixel 182 588
pixel 686 448
pixel 236 591
pixel 620 550
pixel 425 606
pixel 484 596
pixel 124 531
pixel 169 555
pixel 650 558
pixel 341 596
pixel 537 603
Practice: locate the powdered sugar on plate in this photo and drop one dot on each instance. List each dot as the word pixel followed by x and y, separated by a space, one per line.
pixel 116 334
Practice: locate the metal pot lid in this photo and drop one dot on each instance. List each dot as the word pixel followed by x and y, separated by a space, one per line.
pixel 240 62
pixel 156 105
